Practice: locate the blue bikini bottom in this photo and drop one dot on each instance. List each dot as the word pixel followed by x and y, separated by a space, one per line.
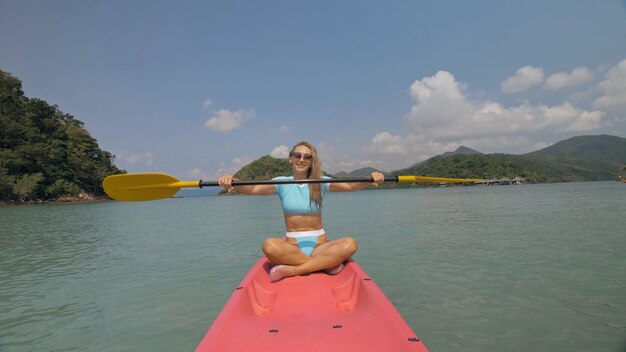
pixel 307 240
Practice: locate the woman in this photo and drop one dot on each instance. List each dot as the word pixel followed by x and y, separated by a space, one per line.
pixel 305 248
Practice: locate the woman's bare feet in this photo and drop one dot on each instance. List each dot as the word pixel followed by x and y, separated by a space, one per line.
pixel 279 272
pixel 334 271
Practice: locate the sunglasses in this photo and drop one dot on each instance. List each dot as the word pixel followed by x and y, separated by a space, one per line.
pixel 299 156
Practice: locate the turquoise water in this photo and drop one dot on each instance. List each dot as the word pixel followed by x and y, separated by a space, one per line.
pixel 505 268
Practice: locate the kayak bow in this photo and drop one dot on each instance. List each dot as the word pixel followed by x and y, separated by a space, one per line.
pixel 316 312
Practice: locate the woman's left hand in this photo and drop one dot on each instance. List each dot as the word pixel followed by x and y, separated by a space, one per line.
pixel 377 177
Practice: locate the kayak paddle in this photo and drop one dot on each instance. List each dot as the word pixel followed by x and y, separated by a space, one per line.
pixel 152 186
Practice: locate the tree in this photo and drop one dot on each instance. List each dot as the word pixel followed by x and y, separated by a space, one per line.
pixel 27 186
pixel 6 185
pixel 45 153
pixel 61 188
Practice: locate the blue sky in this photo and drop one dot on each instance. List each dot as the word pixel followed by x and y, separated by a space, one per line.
pixel 197 89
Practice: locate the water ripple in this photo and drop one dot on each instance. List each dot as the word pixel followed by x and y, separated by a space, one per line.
pixel 536 267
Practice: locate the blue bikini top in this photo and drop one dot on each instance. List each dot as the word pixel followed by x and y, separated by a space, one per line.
pixel 295 198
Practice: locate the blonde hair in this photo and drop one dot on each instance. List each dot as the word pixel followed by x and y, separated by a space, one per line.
pixel 315 172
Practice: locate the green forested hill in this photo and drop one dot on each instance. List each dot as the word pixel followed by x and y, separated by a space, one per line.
pixel 475 166
pixel 362 172
pixel 264 168
pixel 584 158
pixel 602 147
pixel 45 154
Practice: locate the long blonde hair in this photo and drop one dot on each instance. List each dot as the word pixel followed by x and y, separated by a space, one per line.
pixel 315 172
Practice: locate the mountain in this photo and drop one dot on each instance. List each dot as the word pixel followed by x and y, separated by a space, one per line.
pixel 264 168
pixel 46 154
pixel 602 147
pixel 461 150
pixel 484 166
pixel 583 158
pixel 362 172
pixel 366 171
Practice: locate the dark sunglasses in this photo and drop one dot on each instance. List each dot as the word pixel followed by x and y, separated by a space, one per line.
pixel 299 156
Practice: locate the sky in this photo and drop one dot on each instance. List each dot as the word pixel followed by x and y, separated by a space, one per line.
pixel 198 89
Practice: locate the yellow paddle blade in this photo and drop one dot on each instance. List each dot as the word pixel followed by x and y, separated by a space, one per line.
pixel 435 179
pixel 140 187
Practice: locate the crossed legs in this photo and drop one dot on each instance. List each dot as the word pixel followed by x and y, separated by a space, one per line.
pixel 292 261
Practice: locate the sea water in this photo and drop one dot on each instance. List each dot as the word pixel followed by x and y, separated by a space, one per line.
pixel 499 268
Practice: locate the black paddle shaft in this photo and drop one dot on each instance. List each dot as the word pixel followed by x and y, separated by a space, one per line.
pixel 275 182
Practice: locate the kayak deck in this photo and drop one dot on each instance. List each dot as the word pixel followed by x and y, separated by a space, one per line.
pixel 316 312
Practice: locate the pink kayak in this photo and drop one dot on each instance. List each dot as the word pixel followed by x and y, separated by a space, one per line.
pixel 317 312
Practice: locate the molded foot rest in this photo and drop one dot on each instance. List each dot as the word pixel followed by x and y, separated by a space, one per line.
pixel 261 299
pixel 346 294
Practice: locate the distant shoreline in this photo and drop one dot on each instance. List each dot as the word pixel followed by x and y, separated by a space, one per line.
pixel 101 199
pixel 63 200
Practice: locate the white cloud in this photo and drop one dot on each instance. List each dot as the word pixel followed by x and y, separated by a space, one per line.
pixel 226 120
pixel 385 143
pixel 443 118
pixel 439 100
pixel 333 162
pixel 137 158
pixel 282 151
pixel 613 90
pixel 524 78
pixel 207 103
pixel 283 129
pixel 588 121
pixel 198 174
pixel 561 80
pixel 236 164
pixel 242 161
pixel 563 118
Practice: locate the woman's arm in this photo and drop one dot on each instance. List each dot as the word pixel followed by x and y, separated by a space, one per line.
pixel 377 179
pixel 255 190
